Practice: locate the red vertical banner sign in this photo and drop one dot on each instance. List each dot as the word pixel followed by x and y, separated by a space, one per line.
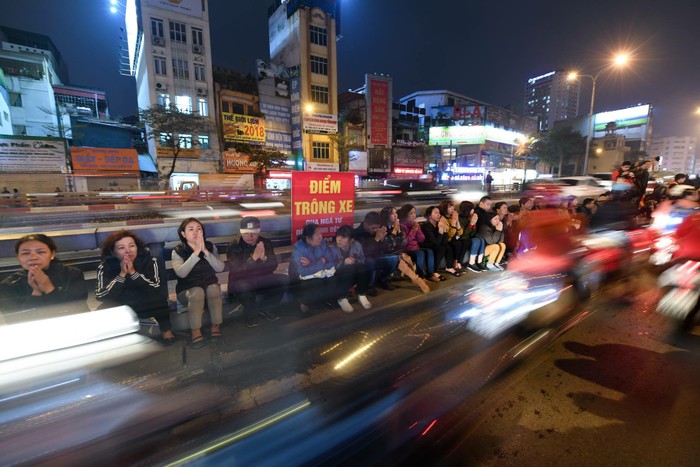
pixel 323 198
pixel 379 108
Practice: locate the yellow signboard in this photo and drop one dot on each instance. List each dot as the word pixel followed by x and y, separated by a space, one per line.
pixel 188 153
pixel 243 128
pixel 235 162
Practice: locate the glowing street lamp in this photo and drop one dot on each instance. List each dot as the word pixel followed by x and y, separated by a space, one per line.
pixel 618 61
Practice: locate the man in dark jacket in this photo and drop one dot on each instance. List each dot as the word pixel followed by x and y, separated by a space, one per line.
pixel 372 235
pixel 252 262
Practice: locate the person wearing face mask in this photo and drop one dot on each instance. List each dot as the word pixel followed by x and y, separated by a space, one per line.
pixel 43 281
pixel 129 275
pixel 196 262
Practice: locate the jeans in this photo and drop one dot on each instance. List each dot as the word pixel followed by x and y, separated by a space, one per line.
pixel 477 247
pixel 382 268
pixel 425 261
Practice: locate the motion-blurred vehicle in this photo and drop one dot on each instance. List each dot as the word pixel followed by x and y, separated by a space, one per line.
pixel 403 191
pixel 681 299
pixel 604 179
pixel 583 186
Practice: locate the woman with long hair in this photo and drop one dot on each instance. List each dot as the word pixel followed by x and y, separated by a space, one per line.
pixel 468 219
pixel 455 233
pixel 196 262
pixel 423 258
pixel 129 275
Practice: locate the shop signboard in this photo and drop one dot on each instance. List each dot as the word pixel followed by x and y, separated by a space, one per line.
pixel 31 154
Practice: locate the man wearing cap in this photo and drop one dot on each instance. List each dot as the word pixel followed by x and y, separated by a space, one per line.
pixel 252 263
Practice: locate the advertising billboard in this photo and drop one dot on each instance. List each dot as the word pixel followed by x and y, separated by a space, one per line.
pixel 320 123
pixel 295 84
pixel 323 198
pixel 463 135
pixel 458 115
pixel 98 160
pixel 185 7
pixel 358 162
pixel 32 154
pixel 243 128
pixel 408 157
pixel 378 104
pixel 623 118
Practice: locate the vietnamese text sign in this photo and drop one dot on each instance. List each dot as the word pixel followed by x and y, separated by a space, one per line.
pixel 323 198
pixel 243 128
pixel 295 85
pixel 281 140
pixel 92 160
pixel 31 154
pixel 379 111
pixel 236 162
pixel 276 113
pixel 188 153
pixel 320 123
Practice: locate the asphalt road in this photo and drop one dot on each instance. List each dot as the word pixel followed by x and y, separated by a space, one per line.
pixel 617 389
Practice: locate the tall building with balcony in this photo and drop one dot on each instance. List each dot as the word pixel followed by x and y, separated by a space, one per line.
pixel 31 65
pixel 551 97
pixel 678 153
pixel 169 51
pixel 302 37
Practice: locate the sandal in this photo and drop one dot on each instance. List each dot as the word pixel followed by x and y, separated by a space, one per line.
pixel 198 342
pixel 216 335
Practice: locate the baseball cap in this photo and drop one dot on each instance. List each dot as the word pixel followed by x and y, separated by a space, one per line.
pixel 250 224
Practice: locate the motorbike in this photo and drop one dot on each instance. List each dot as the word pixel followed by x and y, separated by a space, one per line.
pixel 681 299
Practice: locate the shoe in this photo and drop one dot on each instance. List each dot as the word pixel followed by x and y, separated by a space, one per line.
pixel 453 272
pixel 434 278
pixel 387 286
pixel 269 315
pixel 364 302
pixel 474 268
pixel 252 321
pixel 482 267
pixel 345 305
pixel 216 336
pixel 372 292
pixel 491 267
pixel 168 341
pixel 198 342
pixel 499 267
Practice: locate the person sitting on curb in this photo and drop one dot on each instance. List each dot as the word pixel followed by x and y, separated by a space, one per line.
pixel 252 263
pixel 196 262
pixel 422 257
pixel 468 220
pixel 350 267
pixel 312 271
pixel 129 275
pixel 373 238
pixel 455 233
pixel 43 280
pixel 397 240
pixel 435 231
pixel 492 233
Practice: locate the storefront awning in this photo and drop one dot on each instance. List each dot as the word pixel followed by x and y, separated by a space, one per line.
pixel 146 164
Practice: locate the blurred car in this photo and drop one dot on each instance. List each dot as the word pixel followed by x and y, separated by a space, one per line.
pixel 403 190
pixel 583 186
pixel 604 179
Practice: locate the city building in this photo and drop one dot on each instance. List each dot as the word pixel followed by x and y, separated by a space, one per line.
pixel 678 153
pixel 31 65
pixel 615 134
pixel 302 42
pixel 551 97
pixel 169 52
pixel 82 100
pixel 470 136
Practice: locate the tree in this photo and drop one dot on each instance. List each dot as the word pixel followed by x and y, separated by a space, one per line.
pixel 560 145
pixel 167 124
pixel 262 157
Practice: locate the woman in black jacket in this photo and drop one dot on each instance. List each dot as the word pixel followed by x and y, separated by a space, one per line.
pixel 492 233
pixel 43 281
pixel 129 275
pixel 435 231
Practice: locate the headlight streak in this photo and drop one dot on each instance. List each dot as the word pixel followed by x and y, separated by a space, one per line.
pixel 332 348
pixel 247 431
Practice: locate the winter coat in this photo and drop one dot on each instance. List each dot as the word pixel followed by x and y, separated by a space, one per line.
pixel 16 293
pixel 413 237
pixel 316 255
pixel 196 271
pixel 239 256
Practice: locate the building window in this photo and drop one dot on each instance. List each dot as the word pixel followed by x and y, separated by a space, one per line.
pixel 15 99
pixel 160 68
pixel 197 37
pixel 163 99
pixel 203 107
pixel 225 107
pixel 178 32
pixel 319 94
pixel 319 65
pixel 237 108
pixel 321 150
pixel 185 141
pixel 157 28
pixel 165 139
pixel 181 68
pixel 183 104
pixel 199 72
pixel 204 142
pixel 318 35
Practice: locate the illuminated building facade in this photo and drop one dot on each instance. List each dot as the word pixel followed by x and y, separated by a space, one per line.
pixel 551 97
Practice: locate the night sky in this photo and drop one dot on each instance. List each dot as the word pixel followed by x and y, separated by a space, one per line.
pixel 485 49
